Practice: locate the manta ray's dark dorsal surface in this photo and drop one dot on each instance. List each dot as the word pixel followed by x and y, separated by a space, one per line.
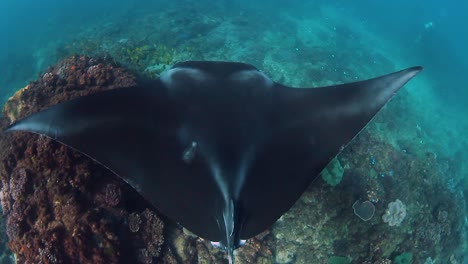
pixel 217 146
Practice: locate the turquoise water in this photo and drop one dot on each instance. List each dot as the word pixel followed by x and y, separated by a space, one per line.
pixel 298 43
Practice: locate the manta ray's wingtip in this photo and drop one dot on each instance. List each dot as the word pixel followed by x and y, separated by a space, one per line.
pixel 403 76
pixel 10 128
pixel 417 68
pixel 21 125
pixel 413 71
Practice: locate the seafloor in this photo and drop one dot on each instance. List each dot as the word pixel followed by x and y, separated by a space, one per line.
pixel 61 207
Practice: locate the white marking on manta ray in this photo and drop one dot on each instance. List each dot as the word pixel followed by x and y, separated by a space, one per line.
pixel 228 213
pixel 248 76
pixel 228 216
pixel 190 152
pixel 242 173
pixel 170 78
pixel 223 187
pixel 229 209
pixel 217 245
pixel 37 127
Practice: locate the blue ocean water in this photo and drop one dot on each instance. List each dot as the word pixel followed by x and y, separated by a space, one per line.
pixel 297 43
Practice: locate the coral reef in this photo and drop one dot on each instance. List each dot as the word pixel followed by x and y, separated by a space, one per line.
pixel 139 57
pixel 338 260
pixel 6 256
pixel 322 221
pixel 404 258
pixel 395 213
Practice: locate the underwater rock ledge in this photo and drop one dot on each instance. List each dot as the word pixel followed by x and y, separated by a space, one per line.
pixel 62 207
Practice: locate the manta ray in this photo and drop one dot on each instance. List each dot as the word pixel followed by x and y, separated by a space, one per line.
pixel 218 147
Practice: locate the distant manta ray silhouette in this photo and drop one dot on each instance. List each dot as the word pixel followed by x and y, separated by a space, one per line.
pixel 217 146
